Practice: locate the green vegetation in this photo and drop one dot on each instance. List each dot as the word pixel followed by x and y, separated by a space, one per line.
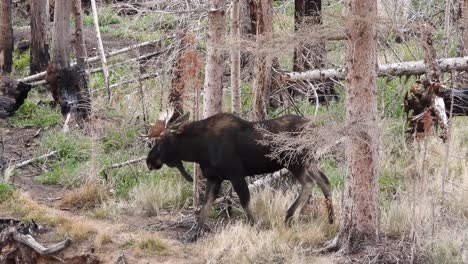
pixel 21 62
pixel 31 114
pixel 6 191
pixel 74 149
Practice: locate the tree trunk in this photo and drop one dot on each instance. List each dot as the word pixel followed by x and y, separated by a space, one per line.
pixel 236 106
pixel 6 39
pixel 39 36
pixel 67 85
pixel 308 13
pixel 462 34
pixel 178 82
pixel 263 60
pixel 61 37
pixel 360 217
pixel 213 92
pixel 80 47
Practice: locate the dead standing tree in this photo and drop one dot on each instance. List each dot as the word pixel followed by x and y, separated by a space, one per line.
pixel 263 60
pixel 40 56
pixel 308 56
pixel 6 37
pixel 359 226
pixel 236 106
pixel 67 84
pixel 213 91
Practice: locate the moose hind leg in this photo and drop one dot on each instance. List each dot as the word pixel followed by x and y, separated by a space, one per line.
pixel 300 201
pixel 325 186
pixel 242 190
pixel 307 183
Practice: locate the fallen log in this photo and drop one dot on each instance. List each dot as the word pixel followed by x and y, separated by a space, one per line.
pixel 17 245
pixel 391 69
pixel 41 75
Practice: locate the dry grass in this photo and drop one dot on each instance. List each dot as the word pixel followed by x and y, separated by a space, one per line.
pixel 270 241
pixel 152 245
pixel 151 197
pixel 438 221
pixel 67 226
pixel 88 196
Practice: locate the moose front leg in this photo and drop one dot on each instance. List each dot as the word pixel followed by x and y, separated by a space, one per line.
pixel 212 190
pixel 242 190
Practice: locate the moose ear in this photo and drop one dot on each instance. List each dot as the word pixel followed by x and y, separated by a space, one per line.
pixel 177 124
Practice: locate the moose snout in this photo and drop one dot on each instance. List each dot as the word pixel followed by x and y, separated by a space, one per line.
pixel 152 165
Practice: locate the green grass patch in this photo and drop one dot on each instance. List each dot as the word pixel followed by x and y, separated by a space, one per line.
pixel 21 62
pixel 34 115
pixel 6 191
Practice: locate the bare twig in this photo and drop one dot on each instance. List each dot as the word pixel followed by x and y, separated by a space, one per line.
pixel 9 171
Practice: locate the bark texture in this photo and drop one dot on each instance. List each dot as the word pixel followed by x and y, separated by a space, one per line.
pixel 359 226
pixel 78 41
pixel 235 59
pixel 6 37
pixel 40 56
pixel 61 37
pixel 213 92
pixel 263 60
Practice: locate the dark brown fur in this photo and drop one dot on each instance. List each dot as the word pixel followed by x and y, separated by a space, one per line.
pixel 227 148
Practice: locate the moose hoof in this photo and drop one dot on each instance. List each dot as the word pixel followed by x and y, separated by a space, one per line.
pixel 195 233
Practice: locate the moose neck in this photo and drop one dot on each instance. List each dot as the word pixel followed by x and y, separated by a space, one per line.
pixel 188 148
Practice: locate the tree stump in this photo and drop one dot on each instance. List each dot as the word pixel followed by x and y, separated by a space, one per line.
pixel 12 95
pixel 68 87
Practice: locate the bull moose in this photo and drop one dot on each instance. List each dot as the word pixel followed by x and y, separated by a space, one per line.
pixel 227 148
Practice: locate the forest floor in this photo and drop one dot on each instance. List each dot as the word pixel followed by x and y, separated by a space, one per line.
pixel 132 215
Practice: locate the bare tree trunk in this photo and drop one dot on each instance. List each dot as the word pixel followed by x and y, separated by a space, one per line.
pixel 360 217
pixel 61 34
pixel 80 47
pixel 178 82
pixel 212 100
pixel 263 60
pixel 6 37
pixel 101 48
pixel 235 59
pixel 462 34
pixel 39 36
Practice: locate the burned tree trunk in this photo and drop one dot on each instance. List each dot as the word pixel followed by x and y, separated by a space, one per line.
pixel 6 37
pixel 67 84
pixel 359 226
pixel 39 36
pixel 263 60
pixel 212 100
pixel 12 95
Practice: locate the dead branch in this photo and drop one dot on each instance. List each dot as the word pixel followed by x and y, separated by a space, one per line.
pixel 41 75
pixel 268 179
pixel 40 249
pixel 10 169
pixel 392 69
pixel 118 165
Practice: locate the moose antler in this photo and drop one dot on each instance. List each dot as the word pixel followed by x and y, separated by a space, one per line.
pixel 157 128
